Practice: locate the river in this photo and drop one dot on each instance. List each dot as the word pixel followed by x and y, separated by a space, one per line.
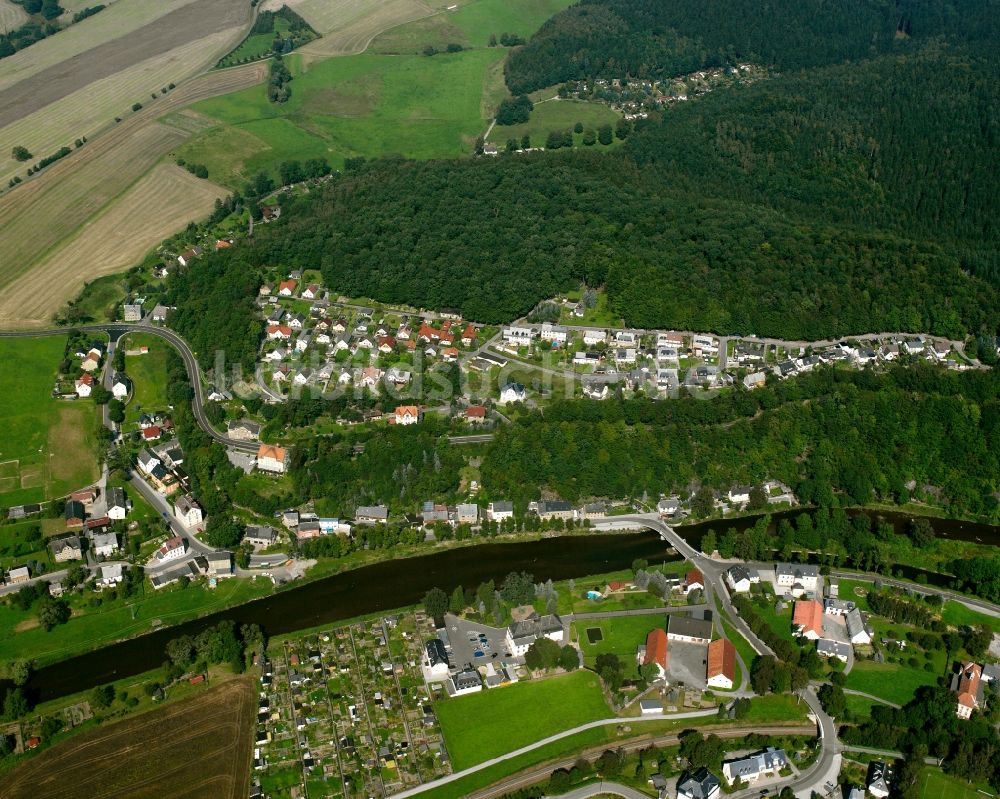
pixel 369 589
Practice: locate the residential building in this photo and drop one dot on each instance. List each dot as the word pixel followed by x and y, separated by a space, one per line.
pixel 475 414
pixel 104 545
pixel 795 579
pixel 720 671
pixel 466 681
pixel 110 574
pixel 372 514
pixel 407 414
pixel 668 507
pixel 694 581
pixel 552 333
pixel 807 619
pixel 435 659
pixel 752 768
pixel 132 312
pixel 754 380
pixel 498 511
pixel 738 578
pixel 828 648
pixel 172 549
pixel 521 635
pixel 243 430
pixel 655 651
pixel 650 707
pixel 512 392
pixel 833 606
pixel 688 629
pixel 272 458
pixel 705 346
pixel 518 336
pixel 699 784
pixel 554 509
pixel 74 513
pixel 592 337
pixel 968 686
pixel 84 385
pixel 260 536
pixel 740 495
pixel 220 564
pixel 68 548
pixel 121 386
pixel 118 504
pixel 188 511
pixel 856 629
pixel 467 513
pixel 18 575
pixel 879 779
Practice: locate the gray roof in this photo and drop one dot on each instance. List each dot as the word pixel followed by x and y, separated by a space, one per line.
pixel 797 570
pixel 689 627
pixel 535 627
pixel 262 533
pixel 70 542
pixel 468 678
pixel 554 506
pixel 770 759
pixel 699 784
pixel 855 624
pixel 831 648
pixel 373 511
pixel 116 497
pixel 502 506
pixel 739 573
pixel 436 652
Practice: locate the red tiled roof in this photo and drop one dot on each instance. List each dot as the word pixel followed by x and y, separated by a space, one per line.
pixel 968 685
pixel 722 659
pixel 656 648
pixel 694 576
pixel 808 616
pixel 476 412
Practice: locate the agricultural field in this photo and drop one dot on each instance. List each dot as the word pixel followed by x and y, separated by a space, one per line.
pixel 163 201
pixel 11 16
pixel 84 95
pixel 558 115
pixel 139 757
pixel 46 446
pixel 541 708
pixel 148 373
pixel 365 105
pixel 348 26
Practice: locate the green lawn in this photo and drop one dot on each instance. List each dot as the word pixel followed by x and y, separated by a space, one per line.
pixel 781 623
pixel 558 115
pixel 21 637
pixel 621 636
pixel 891 681
pixel 149 376
pixel 482 725
pixel 100 299
pixel 860 706
pixel 46 445
pixel 364 105
pixel 957 614
pixel 256 44
pixel 941 786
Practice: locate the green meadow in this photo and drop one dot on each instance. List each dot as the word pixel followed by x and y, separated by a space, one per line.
pixel 389 100
pixel 559 115
pixel 149 376
pixel 479 726
pixel 46 445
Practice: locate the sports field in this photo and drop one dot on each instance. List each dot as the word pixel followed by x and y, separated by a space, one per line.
pixel 195 747
pixel 366 105
pixel 479 726
pixel 46 445
pixel 941 786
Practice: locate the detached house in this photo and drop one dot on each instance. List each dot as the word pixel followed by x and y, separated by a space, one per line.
pixel 407 414
pixel 84 385
pixel 807 619
pixel 64 549
pixel 286 288
pixel 172 549
pixel 271 458
pixel 118 505
pixel 121 386
pixel 188 511
pixel 968 685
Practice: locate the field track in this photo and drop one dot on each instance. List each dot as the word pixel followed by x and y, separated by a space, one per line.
pixel 45 211
pixel 198 747
pixel 160 36
pixel 164 200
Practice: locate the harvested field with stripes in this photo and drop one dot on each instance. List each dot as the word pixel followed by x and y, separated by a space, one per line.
pixel 195 747
pixel 162 202
pixel 349 25
pixel 11 16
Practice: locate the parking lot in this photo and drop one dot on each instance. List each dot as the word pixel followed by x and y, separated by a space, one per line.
pixel 475 643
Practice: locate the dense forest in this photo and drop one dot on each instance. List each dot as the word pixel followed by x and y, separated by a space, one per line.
pixel 655 40
pixel 837 437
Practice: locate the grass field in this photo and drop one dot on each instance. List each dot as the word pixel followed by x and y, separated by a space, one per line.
pixel 558 115
pixel 46 446
pixel 348 26
pixel 959 615
pixel 620 636
pixel 482 725
pixel 138 757
pixel 891 681
pixel 357 105
pixel 92 627
pixel 469 25
pixel 860 706
pixel 163 201
pixel 256 45
pixel 149 375
pixel 937 785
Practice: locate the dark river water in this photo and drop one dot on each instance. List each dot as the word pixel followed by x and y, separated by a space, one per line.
pixel 380 586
